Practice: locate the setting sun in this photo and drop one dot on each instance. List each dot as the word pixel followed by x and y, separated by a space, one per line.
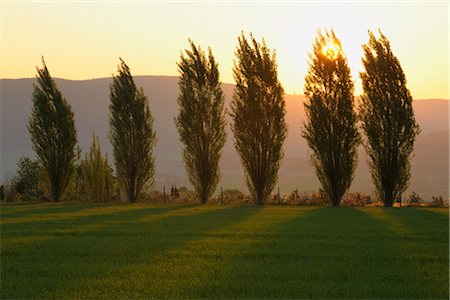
pixel 332 49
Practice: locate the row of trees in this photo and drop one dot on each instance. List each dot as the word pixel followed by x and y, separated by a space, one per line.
pixel 258 125
pixel 385 112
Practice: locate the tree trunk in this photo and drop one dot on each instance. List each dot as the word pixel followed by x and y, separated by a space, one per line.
pixel 335 200
pixel 259 198
pixel 388 203
pixel 388 200
pixel 55 194
pixel 132 195
pixel 203 198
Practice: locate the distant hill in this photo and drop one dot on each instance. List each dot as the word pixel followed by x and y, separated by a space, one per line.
pixel 90 100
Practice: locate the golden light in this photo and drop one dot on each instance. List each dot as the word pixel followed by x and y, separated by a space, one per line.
pixel 332 49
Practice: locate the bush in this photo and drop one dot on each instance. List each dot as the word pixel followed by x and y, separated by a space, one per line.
pixel 182 195
pixel 414 199
pixel 26 181
pixel 438 201
pixel 312 198
pixel 356 199
pixel 280 199
pixel 231 196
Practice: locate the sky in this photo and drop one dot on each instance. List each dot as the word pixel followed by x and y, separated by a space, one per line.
pixel 84 39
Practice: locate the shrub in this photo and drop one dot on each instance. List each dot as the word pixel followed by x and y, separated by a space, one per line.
pixel 312 198
pixel 231 196
pixel 356 199
pixel 414 199
pixel 438 201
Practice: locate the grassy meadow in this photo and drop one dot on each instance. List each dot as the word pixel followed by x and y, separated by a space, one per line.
pixel 213 251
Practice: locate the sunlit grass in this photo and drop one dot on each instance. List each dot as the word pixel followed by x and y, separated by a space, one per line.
pixel 213 251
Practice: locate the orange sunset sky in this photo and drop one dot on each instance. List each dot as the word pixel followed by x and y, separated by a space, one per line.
pixel 83 39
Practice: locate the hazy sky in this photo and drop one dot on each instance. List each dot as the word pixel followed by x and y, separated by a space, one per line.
pixel 83 40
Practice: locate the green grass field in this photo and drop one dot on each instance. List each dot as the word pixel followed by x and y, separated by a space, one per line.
pixel 212 251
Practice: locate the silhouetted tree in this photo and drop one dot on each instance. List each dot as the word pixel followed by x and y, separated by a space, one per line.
pixel 387 119
pixel 330 128
pixel 131 134
pixel 201 121
pixel 53 133
pixel 96 173
pixel 258 110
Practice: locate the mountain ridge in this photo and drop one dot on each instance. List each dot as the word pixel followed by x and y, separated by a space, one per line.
pixel 176 77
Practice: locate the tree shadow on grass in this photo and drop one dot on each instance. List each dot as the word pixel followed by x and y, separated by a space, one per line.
pixel 66 223
pixel 419 218
pixel 71 266
pixel 40 209
pixel 181 270
pixel 327 253
pixel 424 235
pixel 26 247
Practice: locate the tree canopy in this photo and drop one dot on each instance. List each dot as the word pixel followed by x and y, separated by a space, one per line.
pixel 131 134
pixel 53 133
pixel 387 119
pixel 201 120
pixel 331 122
pixel 258 111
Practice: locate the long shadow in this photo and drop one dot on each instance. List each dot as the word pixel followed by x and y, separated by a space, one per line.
pixel 182 270
pixel 328 253
pixel 62 213
pixel 425 244
pixel 36 209
pixel 57 227
pixel 419 216
pixel 70 266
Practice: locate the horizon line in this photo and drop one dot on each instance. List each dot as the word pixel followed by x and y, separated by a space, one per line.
pixel 134 76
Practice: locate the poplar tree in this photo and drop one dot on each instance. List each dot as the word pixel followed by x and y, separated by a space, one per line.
pixel 330 127
pixel 258 111
pixel 201 119
pixel 53 133
pixel 387 118
pixel 96 173
pixel 131 134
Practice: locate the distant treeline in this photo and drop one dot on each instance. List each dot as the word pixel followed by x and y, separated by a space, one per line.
pixel 384 123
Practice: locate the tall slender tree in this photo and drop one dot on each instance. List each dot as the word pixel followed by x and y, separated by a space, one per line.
pixel 387 119
pixel 96 173
pixel 131 134
pixel 201 120
pixel 330 128
pixel 258 110
pixel 53 133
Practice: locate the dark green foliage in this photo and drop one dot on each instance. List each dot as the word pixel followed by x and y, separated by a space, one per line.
pixel 131 134
pixel 330 128
pixel 387 119
pixel 26 181
pixel 53 133
pixel 96 174
pixel 258 110
pixel 201 121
